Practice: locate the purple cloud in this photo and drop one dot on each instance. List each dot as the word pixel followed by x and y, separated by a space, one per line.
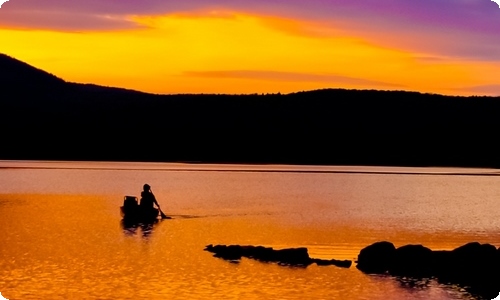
pixel 458 28
pixel 68 22
pixel 480 15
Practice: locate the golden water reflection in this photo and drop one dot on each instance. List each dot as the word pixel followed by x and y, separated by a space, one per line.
pixel 73 246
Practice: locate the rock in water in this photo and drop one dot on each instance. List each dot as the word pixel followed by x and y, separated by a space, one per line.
pixel 298 257
pixel 376 258
pixel 472 265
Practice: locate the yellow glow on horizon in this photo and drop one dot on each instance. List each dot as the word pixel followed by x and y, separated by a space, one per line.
pixel 222 52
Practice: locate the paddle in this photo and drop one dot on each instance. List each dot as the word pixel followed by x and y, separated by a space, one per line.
pixel 163 216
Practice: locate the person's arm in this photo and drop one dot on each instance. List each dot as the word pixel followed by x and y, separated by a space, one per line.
pixel 154 200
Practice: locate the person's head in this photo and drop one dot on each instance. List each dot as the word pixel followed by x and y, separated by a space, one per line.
pixel 146 187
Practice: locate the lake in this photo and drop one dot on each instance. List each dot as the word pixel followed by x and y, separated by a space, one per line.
pixel 62 237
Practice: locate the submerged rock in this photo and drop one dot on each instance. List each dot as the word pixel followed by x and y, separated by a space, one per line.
pixel 333 262
pixel 289 257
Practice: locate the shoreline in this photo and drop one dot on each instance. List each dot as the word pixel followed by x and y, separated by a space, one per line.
pixel 240 167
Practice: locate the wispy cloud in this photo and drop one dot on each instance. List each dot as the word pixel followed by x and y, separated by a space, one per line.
pixel 489 90
pixel 290 77
pixel 462 29
pixel 480 15
pixel 66 22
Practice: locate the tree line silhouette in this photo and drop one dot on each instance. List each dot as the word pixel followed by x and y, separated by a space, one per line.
pixel 46 118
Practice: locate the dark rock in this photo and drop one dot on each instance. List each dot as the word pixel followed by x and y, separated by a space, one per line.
pixel 474 265
pixel 289 257
pixel 260 253
pixel 334 262
pixel 376 258
pixel 232 252
pixel 412 260
pixel 294 256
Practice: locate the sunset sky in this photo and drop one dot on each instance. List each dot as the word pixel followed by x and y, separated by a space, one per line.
pixel 260 46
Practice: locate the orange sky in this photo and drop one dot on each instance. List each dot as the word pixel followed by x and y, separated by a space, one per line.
pixel 240 52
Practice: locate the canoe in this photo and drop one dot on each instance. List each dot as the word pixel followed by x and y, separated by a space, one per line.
pixel 132 212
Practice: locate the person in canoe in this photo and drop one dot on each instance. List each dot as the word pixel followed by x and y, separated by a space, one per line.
pixel 147 203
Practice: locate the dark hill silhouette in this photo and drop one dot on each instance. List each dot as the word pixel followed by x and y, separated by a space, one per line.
pixel 17 74
pixel 49 119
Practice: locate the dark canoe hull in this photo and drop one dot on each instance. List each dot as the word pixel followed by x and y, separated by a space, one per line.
pixel 138 215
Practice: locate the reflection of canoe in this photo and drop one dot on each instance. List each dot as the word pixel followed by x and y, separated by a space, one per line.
pixel 132 213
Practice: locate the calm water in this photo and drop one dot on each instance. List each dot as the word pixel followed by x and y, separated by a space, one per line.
pixel 62 238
